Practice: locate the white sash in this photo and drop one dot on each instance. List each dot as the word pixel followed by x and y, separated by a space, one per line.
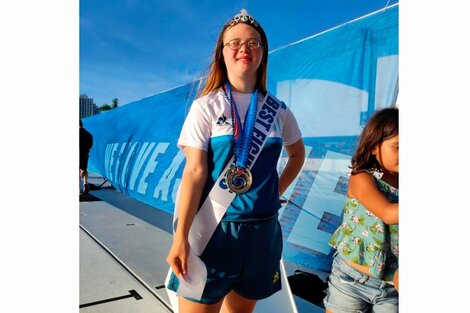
pixel 214 207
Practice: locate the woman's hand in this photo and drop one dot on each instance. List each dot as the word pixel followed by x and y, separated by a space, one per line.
pixel 178 256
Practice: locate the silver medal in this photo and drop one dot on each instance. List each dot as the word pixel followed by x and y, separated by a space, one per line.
pixel 238 179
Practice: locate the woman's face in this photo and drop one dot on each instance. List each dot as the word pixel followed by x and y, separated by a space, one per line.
pixel 244 62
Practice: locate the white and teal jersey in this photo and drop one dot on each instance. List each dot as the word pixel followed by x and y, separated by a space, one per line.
pixel 208 127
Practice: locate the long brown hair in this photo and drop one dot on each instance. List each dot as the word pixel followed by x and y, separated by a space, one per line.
pixel 382 125
pixel 218 70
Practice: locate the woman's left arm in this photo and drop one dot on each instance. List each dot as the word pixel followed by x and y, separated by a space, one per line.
pixel 296 158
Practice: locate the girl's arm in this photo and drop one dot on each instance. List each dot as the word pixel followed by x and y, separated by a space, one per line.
pixel 192 184
pixel 362 186
pixel 296 155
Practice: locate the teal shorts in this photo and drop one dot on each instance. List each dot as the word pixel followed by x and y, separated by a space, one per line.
pixel 241 256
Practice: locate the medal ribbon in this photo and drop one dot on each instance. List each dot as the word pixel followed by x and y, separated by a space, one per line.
pixel 242 135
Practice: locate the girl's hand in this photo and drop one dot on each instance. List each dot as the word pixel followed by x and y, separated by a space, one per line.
pixel 178 256
pixel 395 280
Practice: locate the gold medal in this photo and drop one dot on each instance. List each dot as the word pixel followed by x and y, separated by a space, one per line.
pixel 238 179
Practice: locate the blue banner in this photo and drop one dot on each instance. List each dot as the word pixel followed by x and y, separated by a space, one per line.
pixel 332 82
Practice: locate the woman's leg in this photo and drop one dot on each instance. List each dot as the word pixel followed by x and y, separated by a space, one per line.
pixel 186 306
pixel 234 303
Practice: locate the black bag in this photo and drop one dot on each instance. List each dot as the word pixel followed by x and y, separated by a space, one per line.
pixel 93 187
pixel 308 286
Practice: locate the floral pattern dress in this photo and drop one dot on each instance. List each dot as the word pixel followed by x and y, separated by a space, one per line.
pixel 365 239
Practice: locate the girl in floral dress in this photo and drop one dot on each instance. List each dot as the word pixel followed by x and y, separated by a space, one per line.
pixel 366 260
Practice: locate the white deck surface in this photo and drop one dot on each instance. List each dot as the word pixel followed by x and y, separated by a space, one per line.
pixel 102 278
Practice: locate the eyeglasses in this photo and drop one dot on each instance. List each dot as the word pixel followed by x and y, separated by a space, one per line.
pixel 236 44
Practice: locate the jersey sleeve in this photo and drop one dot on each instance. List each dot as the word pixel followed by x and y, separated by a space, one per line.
pixel 290 130
pixel 196 130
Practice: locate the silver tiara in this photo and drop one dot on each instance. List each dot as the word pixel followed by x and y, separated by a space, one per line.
pixel 244 17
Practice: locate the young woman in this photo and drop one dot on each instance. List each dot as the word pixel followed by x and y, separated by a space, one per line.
pixel 235 130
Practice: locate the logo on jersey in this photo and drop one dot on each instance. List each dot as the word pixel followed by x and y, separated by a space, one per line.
pixel 222 120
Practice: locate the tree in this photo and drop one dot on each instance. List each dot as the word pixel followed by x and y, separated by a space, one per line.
pixel 115 103
pixel 107 107
pixel 104 107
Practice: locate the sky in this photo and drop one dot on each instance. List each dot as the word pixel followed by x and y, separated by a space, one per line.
pixel 132 49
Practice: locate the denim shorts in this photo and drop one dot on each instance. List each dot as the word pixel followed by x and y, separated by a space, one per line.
pixel 241 256
pixel 350 290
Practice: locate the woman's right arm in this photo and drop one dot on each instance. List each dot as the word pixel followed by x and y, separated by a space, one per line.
pixel 192 184
pixel 362 187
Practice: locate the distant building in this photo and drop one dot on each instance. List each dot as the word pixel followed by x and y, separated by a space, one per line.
pixel 87 106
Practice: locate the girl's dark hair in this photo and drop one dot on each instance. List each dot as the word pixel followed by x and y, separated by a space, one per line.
pixel 218 71
pixel 381 126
